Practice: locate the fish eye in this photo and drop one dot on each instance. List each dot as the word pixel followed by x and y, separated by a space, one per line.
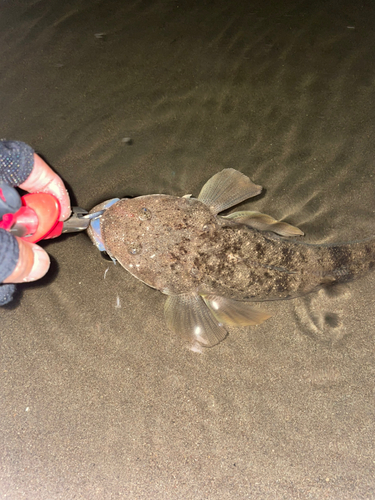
pixel 135 248
pixel 144 214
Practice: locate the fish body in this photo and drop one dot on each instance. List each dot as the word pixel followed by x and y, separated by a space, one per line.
pixel 213 268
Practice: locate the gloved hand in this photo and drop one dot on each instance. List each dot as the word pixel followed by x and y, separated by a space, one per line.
pixel 21 260
pixel 33 261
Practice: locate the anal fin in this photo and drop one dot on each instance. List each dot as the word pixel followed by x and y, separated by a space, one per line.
pixel 234 312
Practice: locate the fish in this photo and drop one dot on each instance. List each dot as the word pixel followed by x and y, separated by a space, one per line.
pixel 215 267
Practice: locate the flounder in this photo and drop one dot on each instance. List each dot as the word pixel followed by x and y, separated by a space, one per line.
pixel 214 267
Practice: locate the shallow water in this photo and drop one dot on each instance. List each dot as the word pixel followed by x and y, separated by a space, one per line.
pixel 100 400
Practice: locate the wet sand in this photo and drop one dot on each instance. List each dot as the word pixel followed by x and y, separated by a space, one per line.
pixel 98 398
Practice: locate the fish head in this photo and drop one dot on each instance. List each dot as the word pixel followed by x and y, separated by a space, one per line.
pixel 155 238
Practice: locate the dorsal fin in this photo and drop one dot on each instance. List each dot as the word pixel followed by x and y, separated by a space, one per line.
pixel 226 189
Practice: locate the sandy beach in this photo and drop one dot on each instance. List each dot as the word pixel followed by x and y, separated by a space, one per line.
pixel 98 399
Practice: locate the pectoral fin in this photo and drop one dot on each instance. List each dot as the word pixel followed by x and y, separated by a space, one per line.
pixel 226 189
pixel 264 222
pixel 189 316
pixel 234 312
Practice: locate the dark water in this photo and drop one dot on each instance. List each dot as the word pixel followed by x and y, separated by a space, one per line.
pixel 99 399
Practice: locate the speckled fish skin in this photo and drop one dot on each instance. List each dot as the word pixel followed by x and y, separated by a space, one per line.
pixel 177 245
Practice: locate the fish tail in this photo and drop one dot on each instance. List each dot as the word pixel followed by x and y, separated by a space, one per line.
pixel 344 262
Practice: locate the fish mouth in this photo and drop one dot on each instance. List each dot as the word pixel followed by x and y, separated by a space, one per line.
pixel 94 230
